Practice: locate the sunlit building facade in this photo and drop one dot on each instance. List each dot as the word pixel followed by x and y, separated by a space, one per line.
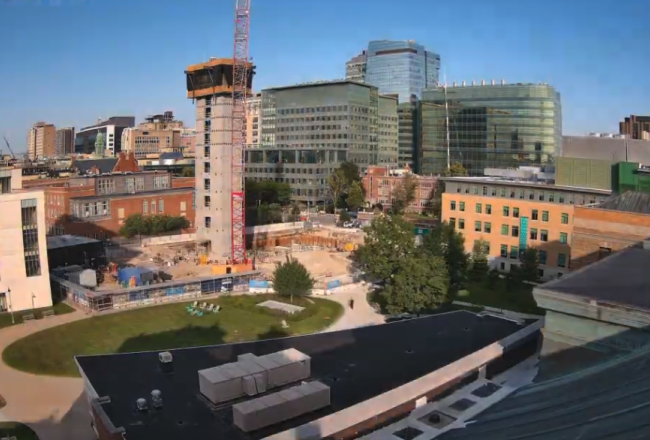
pixel 490 126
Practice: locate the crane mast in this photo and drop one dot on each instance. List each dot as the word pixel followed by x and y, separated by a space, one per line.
pixel 239 91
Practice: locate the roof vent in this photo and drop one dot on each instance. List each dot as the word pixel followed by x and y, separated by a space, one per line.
pixel 156 399
pixel 646 245
pixel 166 362
pixel 141 404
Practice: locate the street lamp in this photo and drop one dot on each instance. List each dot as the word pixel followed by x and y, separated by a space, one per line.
pixel 11 305
pixel 33 297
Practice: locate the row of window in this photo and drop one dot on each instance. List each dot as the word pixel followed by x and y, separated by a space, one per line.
pixel 562 258
pixel 564 218
pixel 512 231
pixel 542 196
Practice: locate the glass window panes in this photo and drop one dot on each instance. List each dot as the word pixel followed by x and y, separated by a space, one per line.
pixel 534 215
pixel 533 234
pixel 479 208
pixel 487 227
pixel 565 218
pixel 561 260
pixel 542 257
pixel 462 206
pixel 514 252
pixel 515 231
pixel 544 216
pixel 505 229
pixel 477 226
pixel 564 237
pixel 506 211
pixel 504 251
pixel 488 209
pixel 515 212
pixel 461 224
pixel 544 235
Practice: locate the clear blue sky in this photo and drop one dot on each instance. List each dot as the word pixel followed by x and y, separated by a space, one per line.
pixel 69 62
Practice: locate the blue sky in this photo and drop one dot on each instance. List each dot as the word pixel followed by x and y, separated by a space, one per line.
pixel 69 62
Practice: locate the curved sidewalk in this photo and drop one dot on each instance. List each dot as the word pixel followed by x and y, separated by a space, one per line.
pixel 361 315
pixel 54 407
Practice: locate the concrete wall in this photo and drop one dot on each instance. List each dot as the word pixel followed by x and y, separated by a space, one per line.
pixel 12 255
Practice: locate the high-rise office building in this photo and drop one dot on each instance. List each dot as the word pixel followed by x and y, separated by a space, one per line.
pixel 355 69
pixel 111 130
pixel 210 86
pixel 490 126
pixel 309 129
pixel 157 134
pixel 408 150
pixel 636 127
pixel 403 68
pixel 41 141
pixel 64 141
pixel 387 129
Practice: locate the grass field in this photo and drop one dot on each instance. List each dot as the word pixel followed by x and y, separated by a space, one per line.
pixel 18 430
pixel 163 327
pixel 517 299
pixel 59 309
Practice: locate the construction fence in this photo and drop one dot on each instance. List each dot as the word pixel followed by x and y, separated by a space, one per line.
pixel 308 242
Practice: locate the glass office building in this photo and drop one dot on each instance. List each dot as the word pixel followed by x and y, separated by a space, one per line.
pixel 309 129
pixel 402 68
pixel 490 126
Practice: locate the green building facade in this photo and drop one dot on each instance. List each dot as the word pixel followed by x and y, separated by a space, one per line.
pixel 584 173
pixel 490 126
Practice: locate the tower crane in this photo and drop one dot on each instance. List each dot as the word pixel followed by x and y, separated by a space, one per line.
pixel 238 126
pixel 13 156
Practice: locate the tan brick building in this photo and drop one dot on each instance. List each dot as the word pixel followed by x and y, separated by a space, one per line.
pixel 158 134
pixel 511 216
pixel 253 120
pixel 41 141
pixel 617 223
pixel 380 183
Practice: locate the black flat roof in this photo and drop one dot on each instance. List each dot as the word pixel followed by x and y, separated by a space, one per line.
pixel 621 279
pixel 357 364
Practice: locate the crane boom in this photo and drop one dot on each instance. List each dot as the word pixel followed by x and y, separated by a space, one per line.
pixel 13 156
pixel 239 90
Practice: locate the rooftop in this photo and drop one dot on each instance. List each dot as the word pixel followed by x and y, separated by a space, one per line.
pixel 629 201
pixel 525 184
pixel 356 364
pixel 320 84
pixel 622 279
pixel 136 194
pixel 61 241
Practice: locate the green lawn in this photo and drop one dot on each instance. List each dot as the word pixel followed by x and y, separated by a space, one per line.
pixel 18 430
pixel 519 298
pixel 59 309
pixel 168 326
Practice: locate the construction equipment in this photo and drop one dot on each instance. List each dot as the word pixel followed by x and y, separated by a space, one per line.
pixel 13 156
pixel 239 91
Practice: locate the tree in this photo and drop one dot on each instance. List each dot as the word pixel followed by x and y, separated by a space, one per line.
pixel 356 196
pixel 480 260
pixel 388 240
pixel 138 224
pixel 187 172
pixel 134 225
pixel 445 242
pixel 344 216
pixel 351 172
pixel 404 194
pixel 529 268
pixel 418 285
pixel 337 185
pixel 291 279
pixel 456 169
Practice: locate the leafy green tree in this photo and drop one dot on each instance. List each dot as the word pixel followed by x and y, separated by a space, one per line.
pixel 187 172
pixel 456 169
pixel 356 196
pixel 291 278
pixel 445 242
pixel 480 260
pixel 337 185
pixel 419 284
pixel 404 194
pixel 351 172
pixel 134 225
pixel 529 268
pixel 138 224
pixel 267 192
pixel 388 240
pixel 344 216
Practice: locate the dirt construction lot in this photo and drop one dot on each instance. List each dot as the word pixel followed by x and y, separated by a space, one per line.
pixel 321 263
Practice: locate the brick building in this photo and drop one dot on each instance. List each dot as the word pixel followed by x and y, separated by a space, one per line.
pixel 380 182
pixel 511 216
pixel 96 203
pixel 620 222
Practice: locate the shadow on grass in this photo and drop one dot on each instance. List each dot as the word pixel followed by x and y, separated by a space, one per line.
pixel 16 430
pixel 190 336
pixel 274 332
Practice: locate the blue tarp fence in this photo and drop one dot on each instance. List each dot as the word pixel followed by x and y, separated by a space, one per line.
pixel 333 284
pixel 257 284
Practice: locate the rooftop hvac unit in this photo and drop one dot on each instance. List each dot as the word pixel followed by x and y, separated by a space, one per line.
pixel 156 399
pixel 166 362
pixel 141 404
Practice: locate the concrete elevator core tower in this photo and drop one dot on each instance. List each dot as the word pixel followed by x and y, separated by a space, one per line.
pixel 210 86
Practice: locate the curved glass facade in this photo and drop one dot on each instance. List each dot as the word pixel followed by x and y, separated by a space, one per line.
pixel 491 126
pixel 402 68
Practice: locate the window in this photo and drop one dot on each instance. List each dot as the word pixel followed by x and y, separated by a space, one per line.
pixel 503 192
pixel 477 226
pixel 514 252
pixel 561 260
pixel 504 251
pixel 535 215
pixel 487 227
pixel 206 167
pixel 544 216
pixel 145 207
pixel 105 186
pixel 515 212
pixel 161 206
pixel 551 197
pixel 183 206
pixel 561 198
pixel 542 257
pixel 461 224
pixel 565 218
pixel 521 194
pixel 541 196
pixel 531 195
pixel 452 222
pixel 479 208
pixel 515 231
pixel 504 229
pixel 533 234
pixel 544 235
pixel 31 251
pixel 485 190
pixel 120 213
pixel 206 201
pixel 564 237
pixel 452 205
pixel 206 184
pixel 153 206
pixel 475 189
pixel 494 192
pixel 462 206
pixel 488 209
pixel 162 182
pixel 506 211
pixel 208 222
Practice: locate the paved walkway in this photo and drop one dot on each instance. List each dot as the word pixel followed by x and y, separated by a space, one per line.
pixel 54 407
pixel 362 314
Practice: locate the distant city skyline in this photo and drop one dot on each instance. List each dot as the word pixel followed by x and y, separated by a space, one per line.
pixel 590 55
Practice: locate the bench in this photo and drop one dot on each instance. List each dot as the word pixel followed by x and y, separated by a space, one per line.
pixel 29 317
pixel 47 313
